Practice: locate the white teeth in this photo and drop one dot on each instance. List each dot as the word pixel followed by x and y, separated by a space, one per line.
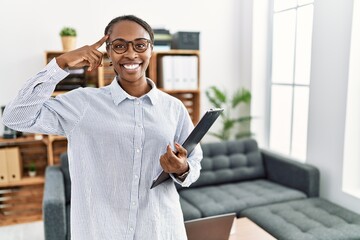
pixel 131 66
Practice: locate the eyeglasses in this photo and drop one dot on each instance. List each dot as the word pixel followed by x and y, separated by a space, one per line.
pixel 120 45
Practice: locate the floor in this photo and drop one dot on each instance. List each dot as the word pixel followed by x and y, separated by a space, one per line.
pixel 25 231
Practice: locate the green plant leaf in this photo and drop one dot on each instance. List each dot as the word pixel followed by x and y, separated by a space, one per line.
pixel 217 95
pixel 32 167
pixel 244 119
pixel 241 96
pixel 219 99
pixel 243 135
pixel 217 135
pixel 228 124
pixel 68 31
pixel 212 99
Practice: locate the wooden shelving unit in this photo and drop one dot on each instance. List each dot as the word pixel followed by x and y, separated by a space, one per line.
pixel 21 200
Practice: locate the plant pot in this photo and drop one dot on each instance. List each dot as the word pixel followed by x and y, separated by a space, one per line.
pixel 68 43
pixel 32 173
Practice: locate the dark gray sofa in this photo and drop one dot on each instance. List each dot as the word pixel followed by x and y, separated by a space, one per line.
pixel 237 177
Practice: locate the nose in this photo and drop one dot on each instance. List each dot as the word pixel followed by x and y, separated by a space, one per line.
pixel 130 52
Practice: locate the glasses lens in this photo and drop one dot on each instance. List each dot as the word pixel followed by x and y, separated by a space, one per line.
pixel 119 46
pixel 140 45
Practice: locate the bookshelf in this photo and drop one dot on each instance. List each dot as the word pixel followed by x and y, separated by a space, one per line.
pixel 21 199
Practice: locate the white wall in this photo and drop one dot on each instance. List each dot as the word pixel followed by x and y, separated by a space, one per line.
pixel 29 28
pixel 328 94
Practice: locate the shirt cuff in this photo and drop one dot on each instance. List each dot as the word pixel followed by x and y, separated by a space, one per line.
pixel 186 181
pixel 56 72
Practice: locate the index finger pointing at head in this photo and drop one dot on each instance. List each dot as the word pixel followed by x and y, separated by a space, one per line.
pixel 100 42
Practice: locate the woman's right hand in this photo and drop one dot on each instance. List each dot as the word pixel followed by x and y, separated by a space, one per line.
pixel 85 56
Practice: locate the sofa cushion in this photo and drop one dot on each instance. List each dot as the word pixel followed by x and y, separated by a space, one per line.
pixel 230 161
pixel 308 219
pixel 189 211
pixel 235 197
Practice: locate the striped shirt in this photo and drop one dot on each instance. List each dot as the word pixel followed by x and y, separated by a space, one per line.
pixel 114 145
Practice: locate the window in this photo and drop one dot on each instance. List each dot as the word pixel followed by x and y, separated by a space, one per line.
pixel 290 76
pixel 351 167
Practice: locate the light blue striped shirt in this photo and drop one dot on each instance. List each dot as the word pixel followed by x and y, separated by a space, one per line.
pixel 114 145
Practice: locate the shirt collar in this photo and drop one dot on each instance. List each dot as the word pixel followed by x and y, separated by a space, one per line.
pixel 118 94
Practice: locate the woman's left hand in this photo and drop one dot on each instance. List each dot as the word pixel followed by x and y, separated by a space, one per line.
pixel 172 162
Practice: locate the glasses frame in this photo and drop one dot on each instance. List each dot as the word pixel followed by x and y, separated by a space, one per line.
pixel 127 44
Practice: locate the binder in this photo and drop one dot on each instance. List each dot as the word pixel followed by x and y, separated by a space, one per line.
pixel 193 139
pixel 185 72
pixel 193 72
pixel 3 167
pixel 177 72
pixel 167 76
pixel 14 165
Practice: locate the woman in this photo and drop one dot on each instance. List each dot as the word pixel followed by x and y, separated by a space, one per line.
pixel 119 138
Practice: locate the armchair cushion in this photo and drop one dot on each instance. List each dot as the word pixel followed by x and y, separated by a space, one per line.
pixel 54 210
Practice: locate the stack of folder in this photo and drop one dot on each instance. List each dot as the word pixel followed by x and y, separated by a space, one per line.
pixel 10 165
pixel 179 72
pixel 162 39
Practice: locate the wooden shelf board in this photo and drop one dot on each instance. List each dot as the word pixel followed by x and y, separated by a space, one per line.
pixel 25 139
pixel 178 52
pixel 10 220
pixel 25 181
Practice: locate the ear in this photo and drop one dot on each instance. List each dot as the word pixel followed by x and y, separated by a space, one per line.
pixel 108 50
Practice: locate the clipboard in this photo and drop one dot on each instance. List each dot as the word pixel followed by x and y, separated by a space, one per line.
pixel 193 139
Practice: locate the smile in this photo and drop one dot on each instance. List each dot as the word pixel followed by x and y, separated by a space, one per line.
pixel 131 66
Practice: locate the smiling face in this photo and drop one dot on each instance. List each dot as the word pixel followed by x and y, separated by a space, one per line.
pixel 130 65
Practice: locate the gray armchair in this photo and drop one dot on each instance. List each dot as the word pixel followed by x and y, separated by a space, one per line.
pixel 56 201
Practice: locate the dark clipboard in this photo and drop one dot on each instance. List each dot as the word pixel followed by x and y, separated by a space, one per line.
pixel 193 139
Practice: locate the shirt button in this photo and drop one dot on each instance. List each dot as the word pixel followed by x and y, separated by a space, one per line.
pixel 131 229
pixel 137 150
pixel 136 176
pixel 134 203
pixel 137 102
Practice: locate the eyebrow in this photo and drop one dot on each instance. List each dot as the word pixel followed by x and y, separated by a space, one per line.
pixel 130 40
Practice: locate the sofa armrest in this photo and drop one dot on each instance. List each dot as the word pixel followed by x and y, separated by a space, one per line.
pixel 54 212
pixel 290 173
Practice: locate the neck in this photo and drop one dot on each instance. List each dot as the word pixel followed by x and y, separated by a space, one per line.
pixel 135 89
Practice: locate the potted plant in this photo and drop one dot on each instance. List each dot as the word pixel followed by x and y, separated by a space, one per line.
pixel 32 169
pixel 68 38
pixel 232 123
